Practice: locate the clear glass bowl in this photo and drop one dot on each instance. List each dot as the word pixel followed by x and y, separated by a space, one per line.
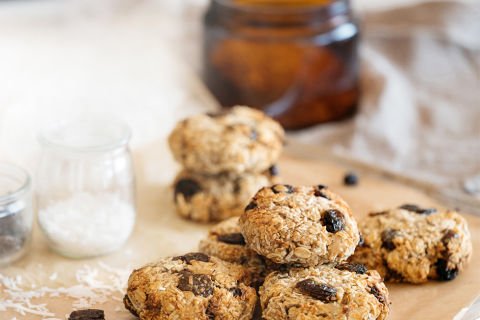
pixel 16 215
pixel 86 186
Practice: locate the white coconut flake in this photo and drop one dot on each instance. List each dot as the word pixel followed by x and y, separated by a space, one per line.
pixel 95 286
pixel 88 224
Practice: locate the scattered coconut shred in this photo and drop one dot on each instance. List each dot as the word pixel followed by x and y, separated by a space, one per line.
pixel 89 291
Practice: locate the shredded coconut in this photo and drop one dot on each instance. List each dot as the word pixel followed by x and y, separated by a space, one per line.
pixel 89 291
pixel 88 224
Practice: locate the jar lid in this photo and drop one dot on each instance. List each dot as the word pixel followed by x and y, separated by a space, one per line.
pixel 86 134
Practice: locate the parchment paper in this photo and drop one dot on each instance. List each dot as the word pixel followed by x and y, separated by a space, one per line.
pixel 159 232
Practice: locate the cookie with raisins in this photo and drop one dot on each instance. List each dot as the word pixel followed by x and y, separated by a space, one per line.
pixel 192 286
pixel 414 244
pixel 325 292
pixel 208 198
pixel 299 226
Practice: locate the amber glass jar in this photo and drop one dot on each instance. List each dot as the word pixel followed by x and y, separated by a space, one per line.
pixel 295 59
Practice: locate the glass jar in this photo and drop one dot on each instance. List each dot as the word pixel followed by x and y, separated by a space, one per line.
pixel 295 59
pixel 16 216
pixel 85 186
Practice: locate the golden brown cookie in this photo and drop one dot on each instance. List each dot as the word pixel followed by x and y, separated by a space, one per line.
pixel 413 244
pixel 302 226
pixel 194 286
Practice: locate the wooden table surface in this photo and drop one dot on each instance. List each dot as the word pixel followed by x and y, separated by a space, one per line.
pixel 159 232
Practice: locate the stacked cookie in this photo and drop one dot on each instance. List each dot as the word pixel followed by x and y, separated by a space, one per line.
pixel 226 158
pixel 297 240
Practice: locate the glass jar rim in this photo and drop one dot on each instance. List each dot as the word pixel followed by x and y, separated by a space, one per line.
pixel 272 8
pixel 23 181
pixel 61 135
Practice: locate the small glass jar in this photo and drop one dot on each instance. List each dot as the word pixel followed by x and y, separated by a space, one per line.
pixel 16 215
pixel 85 186
pixel 295 59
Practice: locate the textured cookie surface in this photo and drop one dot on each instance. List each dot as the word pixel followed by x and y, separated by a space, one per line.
pixel 214 198
pixel 326 292
pixel 411 244
pixel 239 140
pixel 193 286
pixel 226 242
pixel 303 226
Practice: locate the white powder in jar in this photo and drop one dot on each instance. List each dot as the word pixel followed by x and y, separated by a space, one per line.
pixel 86 225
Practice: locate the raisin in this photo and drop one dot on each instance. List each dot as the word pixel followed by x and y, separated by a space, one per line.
pixel 387 239
pixel 417 209
pixel 350 179
pixel 274 171
pixel 199 284
pixel 187 187
pixel 319 191
pixel 88 314
pixel 232 238
pixel 352 267
pixel 443 272
pixel 317 290
pixel 193 256
pixel 250 206
pixel 380 297
pixel 237 292
pixel 282 188
pixel 449 235
pixel 129 306
pixel 333 221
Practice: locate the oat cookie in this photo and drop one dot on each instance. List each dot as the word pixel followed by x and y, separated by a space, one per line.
pixel 215 198
pixel 413 244
pixel 190 287
pixel 225 241
pixel 238 140
pixel 345 291
pixel 302 226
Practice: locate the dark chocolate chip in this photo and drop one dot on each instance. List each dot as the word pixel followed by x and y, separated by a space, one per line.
pixel 193 256
pixel 333 221
pixel 237 292
pixel 379 295
pixel 274 171
pixel 129 306
pixel 282 188
pixel 387 239
pixel 88 314
pixel 250 206
pixel 187 187
pixel 352 267
pixel 232 238
pixel 350 179
pixel 444 273
pixel 319 291
pixel 417 209
pixel 319 191
pixel 199 284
